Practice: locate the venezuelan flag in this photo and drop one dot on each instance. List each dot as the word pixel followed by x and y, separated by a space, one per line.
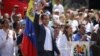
pixel 28 46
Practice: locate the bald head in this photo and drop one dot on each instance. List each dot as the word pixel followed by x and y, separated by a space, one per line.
pixel 6 16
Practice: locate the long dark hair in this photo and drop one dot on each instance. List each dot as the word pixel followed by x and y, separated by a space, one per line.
pixel 66 33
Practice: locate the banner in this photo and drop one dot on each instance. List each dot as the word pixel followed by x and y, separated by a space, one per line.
pixel 80 48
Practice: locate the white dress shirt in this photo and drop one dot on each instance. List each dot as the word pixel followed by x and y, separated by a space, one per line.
pixel 89 27
pixel 64 46
pixel 48 40
pixel 74 24
pixel 8 49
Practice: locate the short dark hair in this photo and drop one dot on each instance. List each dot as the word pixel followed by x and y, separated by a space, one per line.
pixel 80 25
pixel 42 16
pixel 4 21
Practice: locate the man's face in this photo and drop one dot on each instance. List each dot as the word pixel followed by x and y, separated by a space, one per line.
pixel 56 27
pixel 45 20
pixel 6 24
pixel 82 29
pixel 6 16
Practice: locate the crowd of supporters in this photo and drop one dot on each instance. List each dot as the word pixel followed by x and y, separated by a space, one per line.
pixel 65 25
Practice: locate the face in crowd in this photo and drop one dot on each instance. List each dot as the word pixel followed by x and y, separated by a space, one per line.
pixel 6 24
pixel 6 16
pixel 68 30
pixel 45 19
pixel 56 27
pixel 82 29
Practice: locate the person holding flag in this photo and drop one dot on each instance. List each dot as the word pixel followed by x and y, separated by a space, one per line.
pixel 28 45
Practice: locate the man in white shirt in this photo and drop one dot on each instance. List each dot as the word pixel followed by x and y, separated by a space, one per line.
pixel 58 6
pixel 46 43
pixel 6 40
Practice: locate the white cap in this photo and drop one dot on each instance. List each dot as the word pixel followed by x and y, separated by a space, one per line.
pixel 19 15
pixel 56 10
pixel 47 13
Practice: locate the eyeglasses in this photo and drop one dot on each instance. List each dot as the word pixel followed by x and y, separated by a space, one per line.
pixel 56 27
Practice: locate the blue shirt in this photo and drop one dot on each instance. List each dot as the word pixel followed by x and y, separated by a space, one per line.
pixel 77 37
